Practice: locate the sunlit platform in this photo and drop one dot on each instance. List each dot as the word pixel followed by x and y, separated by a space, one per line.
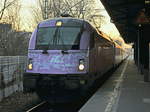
pixel 125 91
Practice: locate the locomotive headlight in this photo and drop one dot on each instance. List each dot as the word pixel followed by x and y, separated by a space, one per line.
pixel 81 64
pixel 81 67
pixel 30 65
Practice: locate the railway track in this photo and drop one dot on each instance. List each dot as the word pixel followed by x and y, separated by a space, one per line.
pixel 46 107
pixel 38 107
pixel 71 107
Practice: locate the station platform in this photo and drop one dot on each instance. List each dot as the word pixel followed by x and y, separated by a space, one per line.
pixel 124 91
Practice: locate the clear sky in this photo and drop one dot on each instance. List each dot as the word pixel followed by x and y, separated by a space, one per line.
pixel 108 27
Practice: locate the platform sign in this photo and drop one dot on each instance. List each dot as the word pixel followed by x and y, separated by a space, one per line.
pixel 147 7
pixel 147 1
pixel 142 18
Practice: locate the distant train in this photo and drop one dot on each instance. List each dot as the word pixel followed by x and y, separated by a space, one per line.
pixel 68 54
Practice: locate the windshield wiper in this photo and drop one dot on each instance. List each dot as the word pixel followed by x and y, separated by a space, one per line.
pixel 54 41
pixel 64 52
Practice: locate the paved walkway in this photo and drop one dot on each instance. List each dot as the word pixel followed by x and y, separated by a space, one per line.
pixel 125 91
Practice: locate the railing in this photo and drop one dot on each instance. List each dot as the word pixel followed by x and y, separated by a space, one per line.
pixel 11 74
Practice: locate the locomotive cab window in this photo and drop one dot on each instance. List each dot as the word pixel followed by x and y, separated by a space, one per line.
pixel 59 38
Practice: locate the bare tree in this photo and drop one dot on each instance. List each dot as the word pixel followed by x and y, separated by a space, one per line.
pixel 13 16
pixel 97 20
pixel 5 4
pixel 12 40
pixel 75 8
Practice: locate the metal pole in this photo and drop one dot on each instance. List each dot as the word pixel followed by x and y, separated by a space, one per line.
pixel 138 46
pixel 146 68
pixel 45 9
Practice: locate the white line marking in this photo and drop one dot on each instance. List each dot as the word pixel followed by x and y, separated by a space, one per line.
pixel 36 106
pixel 116 92
pixel 146 100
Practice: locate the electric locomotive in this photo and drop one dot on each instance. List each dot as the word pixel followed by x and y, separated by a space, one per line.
pixel 65 57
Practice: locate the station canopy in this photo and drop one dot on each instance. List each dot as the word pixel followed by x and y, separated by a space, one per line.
pixel 124 14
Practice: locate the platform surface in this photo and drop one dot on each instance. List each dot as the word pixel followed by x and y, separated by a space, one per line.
pixel 125 91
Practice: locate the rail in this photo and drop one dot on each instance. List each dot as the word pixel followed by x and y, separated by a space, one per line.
pixel 37 107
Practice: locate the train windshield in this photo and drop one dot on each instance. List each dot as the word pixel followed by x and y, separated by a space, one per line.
pixel 58 38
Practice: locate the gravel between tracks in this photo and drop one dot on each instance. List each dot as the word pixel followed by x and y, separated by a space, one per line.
pixel 18 102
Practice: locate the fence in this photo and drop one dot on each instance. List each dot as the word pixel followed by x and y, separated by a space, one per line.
pixel 11 74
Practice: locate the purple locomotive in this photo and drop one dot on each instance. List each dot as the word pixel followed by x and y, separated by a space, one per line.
pixel 67 54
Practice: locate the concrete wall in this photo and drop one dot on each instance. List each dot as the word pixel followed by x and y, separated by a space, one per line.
pixel 11 74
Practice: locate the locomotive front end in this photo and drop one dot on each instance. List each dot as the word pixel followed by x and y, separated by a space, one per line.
pixel 57 61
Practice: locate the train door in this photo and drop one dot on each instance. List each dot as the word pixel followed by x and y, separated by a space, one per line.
pixel 92 54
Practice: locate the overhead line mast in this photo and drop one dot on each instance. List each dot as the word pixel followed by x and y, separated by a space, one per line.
pixel 45 9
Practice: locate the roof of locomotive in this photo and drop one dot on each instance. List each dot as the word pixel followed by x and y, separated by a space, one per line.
pixel 66 21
